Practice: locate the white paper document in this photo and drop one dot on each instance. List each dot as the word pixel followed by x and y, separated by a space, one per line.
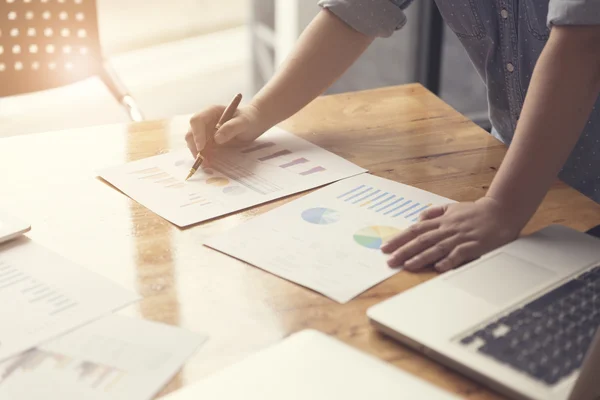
pixel 114 358
pixel 310 365
pixel 330 240
pixel 42 295
pixel 278 164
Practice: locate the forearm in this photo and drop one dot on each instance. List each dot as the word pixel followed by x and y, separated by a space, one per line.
pixel 562 92
pixel 323 53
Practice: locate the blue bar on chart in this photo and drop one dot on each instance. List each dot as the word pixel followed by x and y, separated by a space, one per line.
pixel 407 202
pixel 295 162
pixel 312 171
pixel 275 155
pixel 382 201
pixel 258 147
pixel 417 212
pixel 355 195
pixel 406 210
pixel 388 205
pixel 366 203
pixel 366 197
pixel 351 191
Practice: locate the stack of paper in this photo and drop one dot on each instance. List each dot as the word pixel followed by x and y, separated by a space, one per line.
pixel 98 356
pixel 45 295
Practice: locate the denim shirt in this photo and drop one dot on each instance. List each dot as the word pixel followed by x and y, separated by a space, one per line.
pixel 503 39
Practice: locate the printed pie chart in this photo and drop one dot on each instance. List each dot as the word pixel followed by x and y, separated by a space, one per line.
pixel 321 216
pixel 373 237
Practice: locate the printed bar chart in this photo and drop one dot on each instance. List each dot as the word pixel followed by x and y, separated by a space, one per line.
pixel 384 202
pixel 277 153
pixel 158 177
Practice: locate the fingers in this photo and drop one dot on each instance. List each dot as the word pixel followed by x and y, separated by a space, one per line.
pixel 433 212
pixel 191 143
pixel 459 255
pixel 433 254
pixel 202 126
pixel 410 255
pixel 408 235
pixel 231 129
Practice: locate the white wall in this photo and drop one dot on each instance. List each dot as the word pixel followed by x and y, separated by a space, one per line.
pixel 132 24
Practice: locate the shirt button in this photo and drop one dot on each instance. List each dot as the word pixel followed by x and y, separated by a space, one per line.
pixel 510 67
pixel 504 13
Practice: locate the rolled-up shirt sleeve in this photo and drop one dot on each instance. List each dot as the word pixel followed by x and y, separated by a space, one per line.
pixel 378 18
pixel 574 12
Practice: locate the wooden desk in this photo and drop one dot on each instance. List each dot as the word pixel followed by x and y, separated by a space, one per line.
pixel 402 133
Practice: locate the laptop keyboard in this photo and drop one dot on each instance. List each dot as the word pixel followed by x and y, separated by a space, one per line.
pixel 548 337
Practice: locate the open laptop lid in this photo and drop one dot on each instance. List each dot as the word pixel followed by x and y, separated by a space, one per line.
pixel 11 227
pixel 587 386
pixel 594 232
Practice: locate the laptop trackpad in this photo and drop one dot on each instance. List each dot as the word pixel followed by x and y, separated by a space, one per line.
pixel 501 279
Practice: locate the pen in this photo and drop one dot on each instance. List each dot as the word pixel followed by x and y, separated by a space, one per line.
pixel 226 116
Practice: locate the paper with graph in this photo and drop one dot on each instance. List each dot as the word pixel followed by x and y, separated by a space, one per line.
pixel 329 240
pixel 114 358
pixel 277 165
pixel 42 295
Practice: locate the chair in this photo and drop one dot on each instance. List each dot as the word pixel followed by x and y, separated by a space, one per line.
pixel 46 44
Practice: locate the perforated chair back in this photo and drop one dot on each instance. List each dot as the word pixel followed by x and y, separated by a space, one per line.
pixel 47 43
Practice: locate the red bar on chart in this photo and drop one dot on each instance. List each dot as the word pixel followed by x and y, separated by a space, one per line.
pixel 295 162
pixel 258 147
pixel 275 155
pixel 312 171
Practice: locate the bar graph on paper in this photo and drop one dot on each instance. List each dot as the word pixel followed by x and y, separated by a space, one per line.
pixel 238 179
pixel 159 177
pixel 385 202
pixel 276 165
pixel 37 293
pixel 90 375
pixel 269 152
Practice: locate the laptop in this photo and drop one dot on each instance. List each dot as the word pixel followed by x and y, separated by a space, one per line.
pixel 11 227
pixel 310 365
pixel 520 319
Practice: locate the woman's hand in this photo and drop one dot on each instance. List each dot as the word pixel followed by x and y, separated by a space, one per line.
pixel 245 126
